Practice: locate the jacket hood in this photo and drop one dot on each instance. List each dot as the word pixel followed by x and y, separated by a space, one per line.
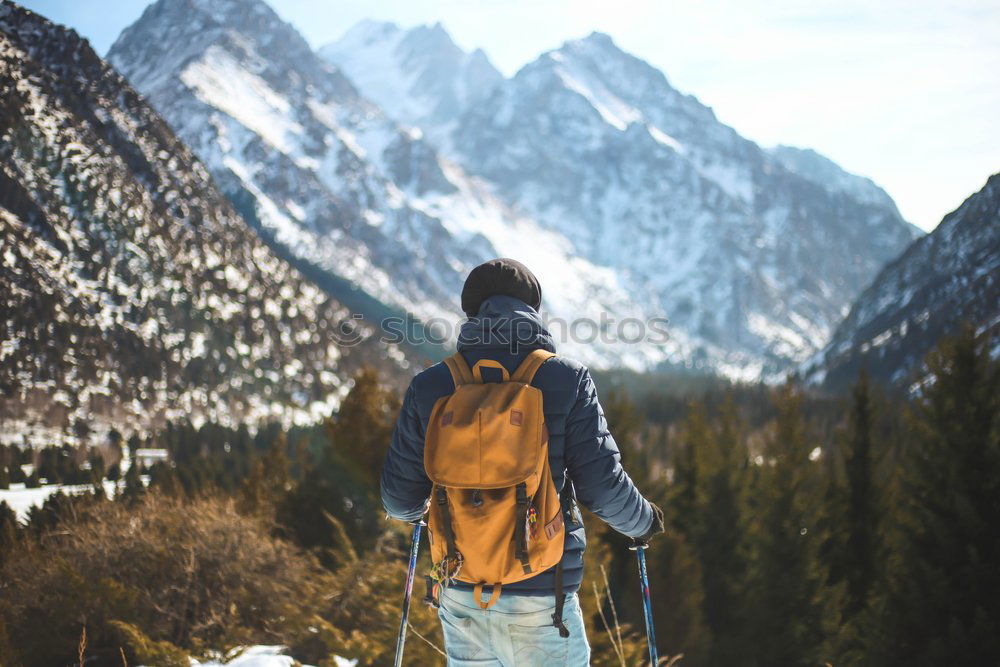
pixel 505 323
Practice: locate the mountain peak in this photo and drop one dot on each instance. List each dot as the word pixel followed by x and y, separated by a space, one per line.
pixel 600 38
pixel 598 54
pixel 419 76
pixel 434 38
pixel 230 13
pixel 370 28
pixel 174 37
pixel 596 45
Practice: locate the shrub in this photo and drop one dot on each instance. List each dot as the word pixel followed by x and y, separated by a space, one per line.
pixel 157 578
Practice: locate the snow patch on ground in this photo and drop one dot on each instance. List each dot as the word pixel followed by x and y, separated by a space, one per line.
pixel 262 656
pixel 22 499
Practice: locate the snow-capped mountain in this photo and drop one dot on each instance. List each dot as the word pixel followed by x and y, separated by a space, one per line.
pixel 944 279
pixel 419 77
pixel 131 292
pixel 738 250
pixel 628 198
pixel 754 256
pixel 356 200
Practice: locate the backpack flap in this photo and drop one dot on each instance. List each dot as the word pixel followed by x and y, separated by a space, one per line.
pixel 486 435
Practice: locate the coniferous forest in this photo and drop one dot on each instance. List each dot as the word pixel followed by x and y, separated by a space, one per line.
pixel 803 529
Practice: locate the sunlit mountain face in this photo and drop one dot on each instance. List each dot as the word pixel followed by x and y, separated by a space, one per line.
pixel 754 255
pixel 131 291
pixel 396 161
pixel 945 280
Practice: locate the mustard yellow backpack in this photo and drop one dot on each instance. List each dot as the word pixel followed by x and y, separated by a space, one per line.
pixel 495 515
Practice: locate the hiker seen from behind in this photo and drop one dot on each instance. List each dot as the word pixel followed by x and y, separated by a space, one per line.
pixel 498 444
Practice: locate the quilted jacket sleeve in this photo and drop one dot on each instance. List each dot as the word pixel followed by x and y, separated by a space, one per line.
pixel 594 464
pixel 405 486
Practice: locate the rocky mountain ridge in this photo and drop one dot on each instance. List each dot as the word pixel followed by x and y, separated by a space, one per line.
pixel 944 280
pixel 131 292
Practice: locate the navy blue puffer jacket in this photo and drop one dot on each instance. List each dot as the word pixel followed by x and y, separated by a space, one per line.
pixel 580 445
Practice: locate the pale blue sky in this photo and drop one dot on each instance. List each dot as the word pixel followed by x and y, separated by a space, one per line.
pixel 906 92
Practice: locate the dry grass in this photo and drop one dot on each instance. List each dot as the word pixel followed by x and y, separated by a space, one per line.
pixel 190 575
pixel 614 629
pixel 81 648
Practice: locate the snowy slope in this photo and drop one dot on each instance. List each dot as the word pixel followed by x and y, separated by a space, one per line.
pixel 628 197
pixel 339 185
pixel 944 279
pixel 130 290
pixel 753 255
pixel 825 172
pixel 263 656
pixel 741 252
pixel 419 77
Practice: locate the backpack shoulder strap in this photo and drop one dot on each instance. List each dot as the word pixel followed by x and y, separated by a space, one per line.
pixel 526 371
pixel 460 372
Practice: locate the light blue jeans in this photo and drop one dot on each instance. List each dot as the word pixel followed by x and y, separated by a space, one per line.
pixel 517 631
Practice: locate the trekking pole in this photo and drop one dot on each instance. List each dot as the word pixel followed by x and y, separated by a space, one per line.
pixel 414 548
pixel 639 548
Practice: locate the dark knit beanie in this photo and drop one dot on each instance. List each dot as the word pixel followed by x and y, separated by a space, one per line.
pixel 500 276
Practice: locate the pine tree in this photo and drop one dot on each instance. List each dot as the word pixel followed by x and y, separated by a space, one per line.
pixel 343 483
pixel 268 481
pixel 852 548
pixel 719 538
pixel 675 578
pixel 862 511
pixel 786 616
pixel 362 428
pixel 682 497
pixel 166 479
pixel 134 488
pixel 623 419
pixel 9 529
pixel 96 460
pixel 944 600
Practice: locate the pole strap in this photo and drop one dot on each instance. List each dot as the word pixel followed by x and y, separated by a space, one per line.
pixel 557 616
pixel 520 522
pixel 449 531
pixel 430 597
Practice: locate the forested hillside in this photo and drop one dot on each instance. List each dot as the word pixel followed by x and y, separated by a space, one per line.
pixel 131 292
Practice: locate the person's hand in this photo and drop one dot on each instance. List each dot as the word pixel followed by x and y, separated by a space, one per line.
pixel 655 528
